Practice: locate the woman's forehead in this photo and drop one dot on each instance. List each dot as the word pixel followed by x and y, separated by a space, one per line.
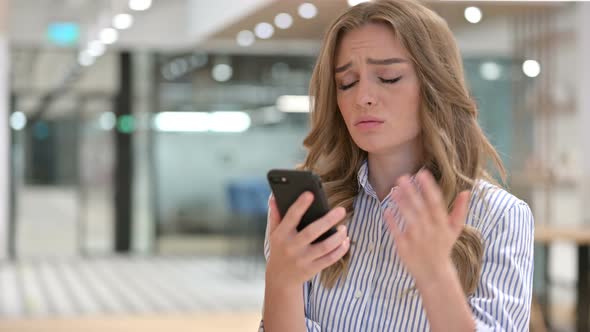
pixel 375 41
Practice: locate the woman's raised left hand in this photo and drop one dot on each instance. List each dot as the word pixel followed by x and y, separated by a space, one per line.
pixel 424 244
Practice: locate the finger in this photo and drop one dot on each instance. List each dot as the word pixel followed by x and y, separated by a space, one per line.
pixel 392 224
pixel 400 236
pixel 273 215
pixel 320 226
pixel 459 212
pixel 413 199
pixel 334 241
pixel 331 257
pixel 432 195
pixel 297 210
pixel 408 213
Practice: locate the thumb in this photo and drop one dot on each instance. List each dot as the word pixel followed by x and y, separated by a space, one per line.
pixel 459 212
pixel 273 215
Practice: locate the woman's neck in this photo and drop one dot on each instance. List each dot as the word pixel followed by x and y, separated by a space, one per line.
pixel 386 168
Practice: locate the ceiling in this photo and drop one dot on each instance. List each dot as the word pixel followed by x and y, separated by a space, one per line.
pixel 328 10
pixel 183 25
pixel 168 25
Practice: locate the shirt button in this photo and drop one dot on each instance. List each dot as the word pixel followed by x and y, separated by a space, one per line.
pixel 358 294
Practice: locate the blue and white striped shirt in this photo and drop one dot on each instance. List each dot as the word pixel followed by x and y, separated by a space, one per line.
pixel 375 297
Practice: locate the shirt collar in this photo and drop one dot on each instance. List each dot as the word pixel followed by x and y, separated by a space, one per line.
pixel 363 176
pixel 363 179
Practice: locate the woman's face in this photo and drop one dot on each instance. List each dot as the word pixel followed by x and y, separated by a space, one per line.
pixel 378 92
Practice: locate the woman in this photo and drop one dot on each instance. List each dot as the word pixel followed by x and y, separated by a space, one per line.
pixel 424 241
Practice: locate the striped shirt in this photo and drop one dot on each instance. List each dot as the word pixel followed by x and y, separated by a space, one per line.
pixel 378 293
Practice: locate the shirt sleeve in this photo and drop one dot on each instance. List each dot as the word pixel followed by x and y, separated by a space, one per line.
pixel 502 301
pixel 310 325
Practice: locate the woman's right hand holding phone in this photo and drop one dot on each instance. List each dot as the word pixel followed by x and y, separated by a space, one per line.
pixel 293 258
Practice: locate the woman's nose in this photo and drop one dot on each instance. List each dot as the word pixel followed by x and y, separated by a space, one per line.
pixel 365 97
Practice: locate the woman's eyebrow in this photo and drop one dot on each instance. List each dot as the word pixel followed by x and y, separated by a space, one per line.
pixel 388 61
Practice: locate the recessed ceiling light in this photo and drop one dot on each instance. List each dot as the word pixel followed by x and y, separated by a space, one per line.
pixel 307 10
pixel 531 68
pixel 264 30
pixel 283 21
pixel 473 14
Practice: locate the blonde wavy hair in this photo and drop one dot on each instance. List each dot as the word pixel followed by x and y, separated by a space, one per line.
pixel 455 149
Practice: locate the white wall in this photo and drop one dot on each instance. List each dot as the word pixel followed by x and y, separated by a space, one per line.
pixel 4 131
pixel 584 100
pixel 491 37
pixel 569 87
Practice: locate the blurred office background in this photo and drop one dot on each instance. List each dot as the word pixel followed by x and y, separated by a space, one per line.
pixel 136 136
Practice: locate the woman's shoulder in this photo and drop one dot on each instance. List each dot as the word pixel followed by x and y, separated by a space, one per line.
pixel 492 206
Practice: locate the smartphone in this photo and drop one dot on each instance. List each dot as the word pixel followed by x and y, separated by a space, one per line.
pixel 288 185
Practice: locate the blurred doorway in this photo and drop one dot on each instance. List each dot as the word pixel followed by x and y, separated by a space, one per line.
pixel 63 187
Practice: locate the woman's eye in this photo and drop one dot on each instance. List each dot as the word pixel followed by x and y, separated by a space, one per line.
pixel 391 81
pixel 383 80
pixel 346 86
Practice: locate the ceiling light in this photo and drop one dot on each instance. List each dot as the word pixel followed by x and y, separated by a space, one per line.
pixel 140 5
pixel 245 38
pixel 490 71
pixel 229 122
pixel 107 121
pixel 473 14
pixel 182 121
pixel 307 10
pixel 109 35
pixel 226 122
pixel 531 68
pixel 18 120
pixel 96 48
pixel 85 59
pixel 283 21
pixel 122 21
pixel 293 104
pixel 264 30
pixel 222 72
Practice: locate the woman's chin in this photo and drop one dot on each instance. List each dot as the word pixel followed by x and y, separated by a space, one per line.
pixel 370 148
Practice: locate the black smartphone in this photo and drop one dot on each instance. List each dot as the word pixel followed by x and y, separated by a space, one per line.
pixel 288 185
